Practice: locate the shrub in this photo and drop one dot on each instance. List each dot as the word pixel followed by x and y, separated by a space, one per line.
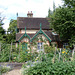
pixel 45 66
pixel 4 69
pixel 49 49
pixel 25 56
pixel 48 68
pixel 4 56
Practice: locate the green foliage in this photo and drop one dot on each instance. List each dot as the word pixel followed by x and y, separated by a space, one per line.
pixel 63 23
pixel 12 26
pixel 11 36
pixel 4 69
pixel 54 7
pixel 14 57
pixel 50 13
pixel 4 55
pixel 49 49
pixel 49 68
pixel 2 31
pixel 1 19
pixel 72 41
pixel 49 64
pixel 66 54
pixel 1 38
pixel 15 54
pixel 25 56
pixel 69 3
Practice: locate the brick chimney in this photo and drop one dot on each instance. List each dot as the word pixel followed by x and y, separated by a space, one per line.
pixel 30 14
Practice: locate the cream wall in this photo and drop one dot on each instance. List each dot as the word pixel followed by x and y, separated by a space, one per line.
pixel 29 31
pixel 25 40
pixel 46 41
pixel 35 46
pixel 44 38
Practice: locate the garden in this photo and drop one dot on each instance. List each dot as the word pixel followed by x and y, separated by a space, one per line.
pixel 51 61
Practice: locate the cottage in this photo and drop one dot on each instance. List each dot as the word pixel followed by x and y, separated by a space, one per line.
pixel 31 28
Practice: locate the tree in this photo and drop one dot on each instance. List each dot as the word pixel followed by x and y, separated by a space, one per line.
pixel 49 13
pixel 69 3
pixel 63 22
pixel 11 35
pixel 1 20
pixel 2 31
pixel 2 34
pixel 54 7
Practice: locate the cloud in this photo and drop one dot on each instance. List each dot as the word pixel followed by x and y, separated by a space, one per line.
pixel 39 8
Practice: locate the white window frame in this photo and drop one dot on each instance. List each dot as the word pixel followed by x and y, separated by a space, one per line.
pixel 40 46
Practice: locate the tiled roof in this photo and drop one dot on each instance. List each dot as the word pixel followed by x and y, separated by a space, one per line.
pixel 32 23
pixel 48 33
pixel 53 37
pixel 19 35
pixel 31 35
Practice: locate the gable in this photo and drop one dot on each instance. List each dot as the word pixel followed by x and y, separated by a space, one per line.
pixel 40 32
pixel 47 34
pixel 25 35
pixel 41 36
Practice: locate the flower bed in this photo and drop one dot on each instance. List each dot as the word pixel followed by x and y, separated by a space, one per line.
pixel 45 66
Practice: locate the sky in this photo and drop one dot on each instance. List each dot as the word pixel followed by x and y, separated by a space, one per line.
pixel 9 8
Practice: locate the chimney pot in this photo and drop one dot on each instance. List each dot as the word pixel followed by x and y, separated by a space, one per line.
pixel 30 14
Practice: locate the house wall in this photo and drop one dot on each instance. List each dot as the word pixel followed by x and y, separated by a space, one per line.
pixel 45 42
pixel 25 40
pixel 29 31
pixel 34 47
pixel 44 39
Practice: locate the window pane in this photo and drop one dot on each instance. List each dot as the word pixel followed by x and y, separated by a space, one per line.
pixel 40 45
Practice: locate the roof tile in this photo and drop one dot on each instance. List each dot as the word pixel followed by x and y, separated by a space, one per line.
pixel 32 23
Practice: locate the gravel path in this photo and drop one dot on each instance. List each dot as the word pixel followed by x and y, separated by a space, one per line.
pixel 16 68
pixel 13 72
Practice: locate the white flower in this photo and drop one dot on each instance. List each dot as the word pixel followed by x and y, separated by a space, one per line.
pixel 29 52
pixel 27 66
